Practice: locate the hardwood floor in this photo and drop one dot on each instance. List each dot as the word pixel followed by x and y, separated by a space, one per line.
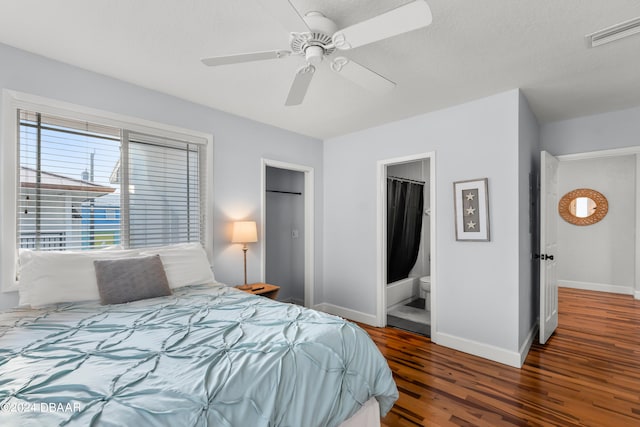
pixel 588 374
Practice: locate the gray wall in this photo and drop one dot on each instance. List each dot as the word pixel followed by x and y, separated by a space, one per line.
pixel 528 172
pixel 602 253
pixel 284 262
pixel 616 129
pixel 477 282
pixel 239 146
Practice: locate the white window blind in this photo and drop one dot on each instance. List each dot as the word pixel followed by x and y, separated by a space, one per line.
pixel 84 186
pixel 163 191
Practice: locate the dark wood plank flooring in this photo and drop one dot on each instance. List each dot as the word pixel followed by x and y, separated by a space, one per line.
pixel 588 374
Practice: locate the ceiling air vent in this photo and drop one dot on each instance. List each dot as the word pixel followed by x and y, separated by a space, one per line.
pixel 614 32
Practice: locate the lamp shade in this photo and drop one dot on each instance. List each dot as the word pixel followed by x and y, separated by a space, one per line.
pixel 244 232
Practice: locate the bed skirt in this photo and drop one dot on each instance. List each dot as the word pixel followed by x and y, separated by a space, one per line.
pixel 367 416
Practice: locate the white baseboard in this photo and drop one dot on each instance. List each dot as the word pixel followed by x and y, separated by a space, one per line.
pixel 497 354
pixel 347 313
pixel 636 294
pixel 526 345
pixel 600 287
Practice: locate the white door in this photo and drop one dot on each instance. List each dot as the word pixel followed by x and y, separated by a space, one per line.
pixel 548 245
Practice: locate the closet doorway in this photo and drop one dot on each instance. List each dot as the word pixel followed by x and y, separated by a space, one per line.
pixel 287 218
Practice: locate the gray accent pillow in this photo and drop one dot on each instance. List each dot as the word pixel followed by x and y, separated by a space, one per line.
pixel 131 279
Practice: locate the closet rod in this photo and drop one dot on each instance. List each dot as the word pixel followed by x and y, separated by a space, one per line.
pixel 415 181
pixel 284 192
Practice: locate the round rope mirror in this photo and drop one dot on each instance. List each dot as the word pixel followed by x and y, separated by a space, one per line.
pixel 583 206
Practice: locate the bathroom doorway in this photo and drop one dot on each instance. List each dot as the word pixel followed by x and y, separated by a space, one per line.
pixel 287 218
pixel 406 242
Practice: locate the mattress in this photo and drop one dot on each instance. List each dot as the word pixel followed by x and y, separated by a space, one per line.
pixel 205 356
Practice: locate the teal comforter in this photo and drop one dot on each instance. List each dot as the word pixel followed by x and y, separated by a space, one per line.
pixel 205 356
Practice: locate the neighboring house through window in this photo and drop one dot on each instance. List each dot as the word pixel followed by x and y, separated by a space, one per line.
pixel 64 189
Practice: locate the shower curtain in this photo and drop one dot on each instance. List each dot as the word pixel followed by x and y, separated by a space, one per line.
pixel 405 202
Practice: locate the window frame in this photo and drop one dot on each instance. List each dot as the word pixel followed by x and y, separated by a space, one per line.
pixel 12 101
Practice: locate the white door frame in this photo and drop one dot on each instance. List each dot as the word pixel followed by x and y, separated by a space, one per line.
pixel 381 234
pixel 615 152
pixel 309 274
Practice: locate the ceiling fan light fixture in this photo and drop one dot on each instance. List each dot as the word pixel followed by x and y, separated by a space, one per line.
pixel 320 37
pixel 314 54
pixel 613 33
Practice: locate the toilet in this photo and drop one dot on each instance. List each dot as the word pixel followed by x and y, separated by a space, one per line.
pixel 425 291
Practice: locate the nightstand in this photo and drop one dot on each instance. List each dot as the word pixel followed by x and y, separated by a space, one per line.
pixel 263 289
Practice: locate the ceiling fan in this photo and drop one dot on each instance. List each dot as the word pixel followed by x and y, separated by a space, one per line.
pixel 316 37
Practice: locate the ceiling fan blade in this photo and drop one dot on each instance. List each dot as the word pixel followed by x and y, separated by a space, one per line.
pixel 361 75
pixel 245 57
pixel 300 85
pixel 283 11
pixel 403 19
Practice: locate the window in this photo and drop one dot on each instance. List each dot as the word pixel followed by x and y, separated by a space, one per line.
pixel 164 197
pixel 77 178
pixel 84 185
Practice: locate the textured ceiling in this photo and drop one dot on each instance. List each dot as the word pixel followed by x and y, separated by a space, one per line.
pixel 471 50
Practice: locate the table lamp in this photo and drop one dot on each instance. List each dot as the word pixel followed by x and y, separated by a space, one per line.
pixel 244 232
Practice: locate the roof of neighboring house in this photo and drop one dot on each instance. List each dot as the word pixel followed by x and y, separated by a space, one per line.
pixel 52 181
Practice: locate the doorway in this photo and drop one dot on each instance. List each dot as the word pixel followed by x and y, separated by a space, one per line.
pixel 601 256
pixel 406 289
pixel 287 218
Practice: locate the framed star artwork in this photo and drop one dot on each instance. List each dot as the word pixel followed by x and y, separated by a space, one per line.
pixel 471 201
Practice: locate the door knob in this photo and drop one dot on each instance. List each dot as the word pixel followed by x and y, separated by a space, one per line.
pixel 550 257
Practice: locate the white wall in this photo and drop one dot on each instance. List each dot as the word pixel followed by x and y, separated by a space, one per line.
pixel 477 282
pixel 410 170
pixel 239 146
pixel 284 262
pixel 600 256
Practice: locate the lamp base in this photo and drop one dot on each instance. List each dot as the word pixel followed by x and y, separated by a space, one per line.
pixel 243 287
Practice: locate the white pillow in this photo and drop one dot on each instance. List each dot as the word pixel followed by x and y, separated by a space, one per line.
pixel 185 264
pixel 48 277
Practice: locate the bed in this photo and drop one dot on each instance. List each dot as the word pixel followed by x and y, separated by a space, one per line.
pixel 206 355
